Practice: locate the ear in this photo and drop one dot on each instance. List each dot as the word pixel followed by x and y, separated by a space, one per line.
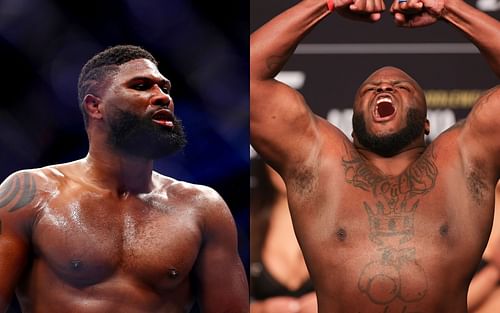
pixel 92 105
pixel 427 127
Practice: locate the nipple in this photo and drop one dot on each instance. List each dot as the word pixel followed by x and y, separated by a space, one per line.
pixel 76 264
pixel 443 230
pixel 341 234
pixel 172 273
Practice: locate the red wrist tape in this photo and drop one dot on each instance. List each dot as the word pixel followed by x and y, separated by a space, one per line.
pixel 331 5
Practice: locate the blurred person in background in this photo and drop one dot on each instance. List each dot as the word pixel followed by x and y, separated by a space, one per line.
pixel 279 280
pixel 107 233
pixel 484 289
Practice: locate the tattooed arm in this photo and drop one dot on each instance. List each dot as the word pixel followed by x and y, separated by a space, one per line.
pixel 283 129
pixel 17 193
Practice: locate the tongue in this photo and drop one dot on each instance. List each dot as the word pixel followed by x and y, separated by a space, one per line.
pixel 385 109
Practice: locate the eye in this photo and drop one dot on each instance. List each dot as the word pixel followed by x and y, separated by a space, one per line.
pixel 165 90
pixel 368 89
pixel 403 87
pixel 141 86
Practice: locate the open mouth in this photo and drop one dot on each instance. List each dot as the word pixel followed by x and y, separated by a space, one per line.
pixel 384 108
pixel 163 117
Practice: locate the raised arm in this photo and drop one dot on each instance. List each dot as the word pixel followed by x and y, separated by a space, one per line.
pixel 478 139
pixel 283 129
pixel 222 284
pixel 16 194
pixel 482 29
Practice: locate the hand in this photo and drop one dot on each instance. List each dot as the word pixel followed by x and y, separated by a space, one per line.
pixel 308 303
pixel 417 13
pixel 362 10
pixel 276 305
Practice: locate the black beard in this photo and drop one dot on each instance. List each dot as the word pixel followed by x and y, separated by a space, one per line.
pixel 141 137
pixel 389 145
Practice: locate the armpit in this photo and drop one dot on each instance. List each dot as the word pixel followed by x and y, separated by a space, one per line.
pixel 477 184
pixel 303 180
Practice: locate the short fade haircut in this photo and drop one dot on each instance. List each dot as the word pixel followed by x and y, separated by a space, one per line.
pixel 103 66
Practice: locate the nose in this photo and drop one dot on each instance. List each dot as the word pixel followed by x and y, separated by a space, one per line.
pixel 385 87
pixel 160 98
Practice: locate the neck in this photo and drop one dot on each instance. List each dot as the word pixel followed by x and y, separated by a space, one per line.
pixel 115 171
pixel 395 164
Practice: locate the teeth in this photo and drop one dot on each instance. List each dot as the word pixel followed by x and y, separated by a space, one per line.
pixel 384 99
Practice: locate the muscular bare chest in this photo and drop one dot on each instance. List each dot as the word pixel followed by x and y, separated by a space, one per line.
pixel 87 238
pixel 393 243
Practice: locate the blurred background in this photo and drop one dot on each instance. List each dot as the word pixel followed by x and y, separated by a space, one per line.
pixel 202 47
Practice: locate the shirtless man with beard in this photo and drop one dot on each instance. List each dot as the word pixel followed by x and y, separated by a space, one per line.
pixel 387 224
pixel 107 233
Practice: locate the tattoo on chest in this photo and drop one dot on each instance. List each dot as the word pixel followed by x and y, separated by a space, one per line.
pixel 396 278
pixel 17 191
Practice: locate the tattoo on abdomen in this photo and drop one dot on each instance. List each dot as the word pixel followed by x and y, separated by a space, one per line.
pixel 17 191
pixel 397 275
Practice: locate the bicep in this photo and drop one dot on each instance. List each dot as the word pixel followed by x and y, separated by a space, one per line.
pixel 222 283
pixel 17 193
pixel 283 129
pixel 480 133
pixel 13 259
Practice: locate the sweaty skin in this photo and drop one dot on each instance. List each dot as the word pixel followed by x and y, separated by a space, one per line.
pixel 401 233
pixel 108 234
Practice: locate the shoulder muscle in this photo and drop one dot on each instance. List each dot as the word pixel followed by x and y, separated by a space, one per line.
pixel 18 191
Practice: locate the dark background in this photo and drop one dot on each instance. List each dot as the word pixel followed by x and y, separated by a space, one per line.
pixel 202 48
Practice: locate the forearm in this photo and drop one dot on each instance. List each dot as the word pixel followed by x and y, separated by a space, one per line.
pixel 279 304
pixel 257 307
pixel 482 29
pixel 273 43
pixel 481 286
